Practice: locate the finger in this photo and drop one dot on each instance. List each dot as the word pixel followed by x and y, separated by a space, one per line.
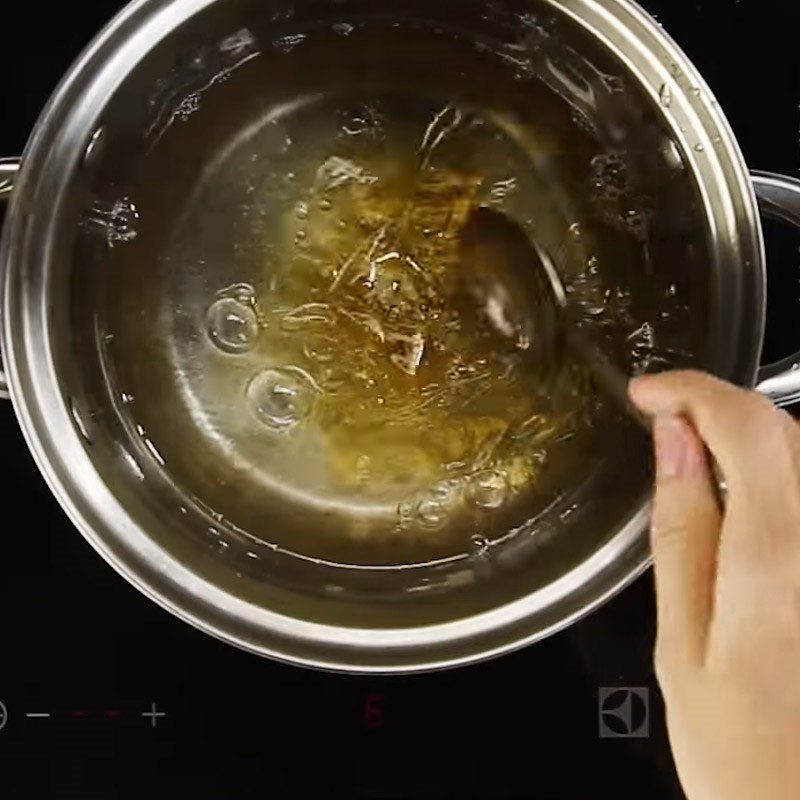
pixel 752 443
pixel 734 424
pixel 686 528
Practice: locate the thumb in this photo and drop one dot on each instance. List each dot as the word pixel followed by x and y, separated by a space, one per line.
pixel 686 528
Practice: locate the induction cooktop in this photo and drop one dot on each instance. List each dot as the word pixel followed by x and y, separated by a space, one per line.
pixel 103 694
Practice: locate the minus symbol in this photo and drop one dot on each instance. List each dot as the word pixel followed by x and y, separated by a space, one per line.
pixel 38 715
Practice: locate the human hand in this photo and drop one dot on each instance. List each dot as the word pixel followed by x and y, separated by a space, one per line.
pixel 728 586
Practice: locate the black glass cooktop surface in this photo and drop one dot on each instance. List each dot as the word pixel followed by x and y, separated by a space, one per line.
pixel 106 695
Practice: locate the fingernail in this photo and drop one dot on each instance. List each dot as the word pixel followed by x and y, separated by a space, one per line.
pixel 673 446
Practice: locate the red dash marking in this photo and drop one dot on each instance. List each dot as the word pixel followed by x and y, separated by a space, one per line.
pixel 81 713
pixel 374 713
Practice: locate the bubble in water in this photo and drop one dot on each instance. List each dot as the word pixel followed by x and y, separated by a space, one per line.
pixel 671 154
pixel 93 149
pixel 240 43
pixel 321 350
pixel 568 512
pixel 406 351
pixel 343 28
pixel 633 218
pixel 479 546
pixel 500 190
pixel 306 316
pixel 282 398
pixel 81 421
pixel 117 222
pixel 435 505
pixel 665 96
pixel 217 539
pixel 583 121
pixel 610 175
pixel 487 490
pixel 333 379
pixel 132 464
pixel 288 43
pixel 643 343
pixel 366 121
pixel 302 211
pixel 363 469
pixel 187 106
pixel 231 325
pixel 148 443
pixel 699 148
pixel 405 515
pixel 337 172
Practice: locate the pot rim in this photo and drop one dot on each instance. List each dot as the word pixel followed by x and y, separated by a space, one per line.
pixel 54 151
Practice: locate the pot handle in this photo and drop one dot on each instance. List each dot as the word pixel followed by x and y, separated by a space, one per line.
pixel 779 198
pixel 8 171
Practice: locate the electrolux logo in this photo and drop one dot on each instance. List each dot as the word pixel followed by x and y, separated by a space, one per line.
pixel 624 712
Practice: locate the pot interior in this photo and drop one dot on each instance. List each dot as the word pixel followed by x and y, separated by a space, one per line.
pixel 264 350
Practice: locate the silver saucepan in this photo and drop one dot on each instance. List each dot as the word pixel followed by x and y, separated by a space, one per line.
pixel 159 180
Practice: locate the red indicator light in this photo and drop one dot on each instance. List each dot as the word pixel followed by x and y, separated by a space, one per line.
pixel 374 714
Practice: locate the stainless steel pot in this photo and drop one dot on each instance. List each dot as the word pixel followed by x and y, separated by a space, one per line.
pixel 126 505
